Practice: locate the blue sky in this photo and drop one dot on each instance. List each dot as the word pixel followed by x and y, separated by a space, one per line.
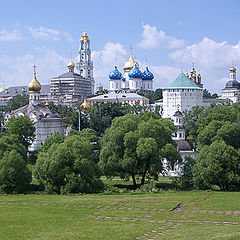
pixel 165 35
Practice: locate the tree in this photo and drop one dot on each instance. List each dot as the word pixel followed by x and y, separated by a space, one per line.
pixel 134 145
pixel 102 114
pixel 57 137
pixel 14 174
pixel 69 167
pixel 23 127
pixel 16 102
pixel 217 164
pixel 11 142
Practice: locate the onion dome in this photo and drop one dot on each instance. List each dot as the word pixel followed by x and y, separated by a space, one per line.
pixel 232 69
pixel 2 89
pixel 232 84
pixel 147 75
pixel 129 65
pixel 84 36
pixel 115 74
pixel 193 70
pixel 177 113
pixel 71 66
pixel 135 72
pixel 85 106
pixel 34 85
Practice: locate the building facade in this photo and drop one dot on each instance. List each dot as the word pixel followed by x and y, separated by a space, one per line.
pixel 69 88
pixel 45 122
pixel 132 79
pixel 182 94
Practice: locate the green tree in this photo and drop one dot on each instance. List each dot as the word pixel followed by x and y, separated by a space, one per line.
pixel 23 127
pixel 102 114
pixel 14 174
pixel 217 164
pixel 57 137
pixel 11 142
pixel 136 145
pixel 16 102
pixel 69 167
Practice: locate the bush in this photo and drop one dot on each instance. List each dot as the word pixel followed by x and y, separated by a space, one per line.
pixel 14 174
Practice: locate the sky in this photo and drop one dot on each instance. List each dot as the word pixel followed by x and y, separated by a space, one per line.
pixel 168 36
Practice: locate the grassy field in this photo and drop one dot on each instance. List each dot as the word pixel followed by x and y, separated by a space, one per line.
pixel 203 215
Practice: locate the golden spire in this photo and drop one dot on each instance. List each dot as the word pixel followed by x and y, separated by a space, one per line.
pixel 129 65
pixel 3 88
pixel 84 36
pixel 34 85
pixel 71 65
pixel 232 69
pixel 85 106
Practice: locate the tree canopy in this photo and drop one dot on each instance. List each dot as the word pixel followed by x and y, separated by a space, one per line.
pixel 136 145
pixel 69 167
pixel 23 128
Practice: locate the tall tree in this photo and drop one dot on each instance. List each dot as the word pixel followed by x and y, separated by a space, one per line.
pixel 23 128
pixel 16 102
pixel 135 144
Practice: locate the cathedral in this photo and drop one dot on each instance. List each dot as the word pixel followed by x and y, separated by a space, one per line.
pixel 132 79
pixel 45 122
pixel 72 87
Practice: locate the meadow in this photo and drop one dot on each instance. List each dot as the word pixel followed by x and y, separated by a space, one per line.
pixel 203 215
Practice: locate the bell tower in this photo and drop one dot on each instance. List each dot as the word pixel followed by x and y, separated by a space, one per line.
pixel 85 65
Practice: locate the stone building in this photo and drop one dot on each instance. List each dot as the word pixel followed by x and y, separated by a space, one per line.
pixel 45 122
pixel 69 88
pixel 182 94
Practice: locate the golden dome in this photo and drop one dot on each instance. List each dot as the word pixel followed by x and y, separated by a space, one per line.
pixel 193 70
pixel 2 89
pixel 232 69
pixel 85 106
pixel 71 65
pixel 34 85
pixel 84 36
pixel 129 65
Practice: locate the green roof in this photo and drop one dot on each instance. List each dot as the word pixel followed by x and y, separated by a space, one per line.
pixel 182 81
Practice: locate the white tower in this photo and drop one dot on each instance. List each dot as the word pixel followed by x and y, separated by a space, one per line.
pixel 178 122
pixel 85 65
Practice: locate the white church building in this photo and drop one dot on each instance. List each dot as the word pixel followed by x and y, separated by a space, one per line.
pixel 45 122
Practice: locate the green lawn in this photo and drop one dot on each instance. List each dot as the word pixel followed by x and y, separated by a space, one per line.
pixel 203 215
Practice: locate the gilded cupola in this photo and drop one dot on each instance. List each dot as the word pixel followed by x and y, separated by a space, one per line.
pixel 129 65
pixel 34 85
pixel 84 36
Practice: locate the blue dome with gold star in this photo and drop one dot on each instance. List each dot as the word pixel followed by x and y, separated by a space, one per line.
pixel 147 75
pixel 135 72
pixel 115 74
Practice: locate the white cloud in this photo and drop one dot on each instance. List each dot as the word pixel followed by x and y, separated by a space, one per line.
pixel 152 38
pixel 19 70
pixel 163 75
pixel 208 53
pixel 105 60
pixel 49 34
pixel 14 35
pixel 68 36
pixel 213 59
pixel 45 33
